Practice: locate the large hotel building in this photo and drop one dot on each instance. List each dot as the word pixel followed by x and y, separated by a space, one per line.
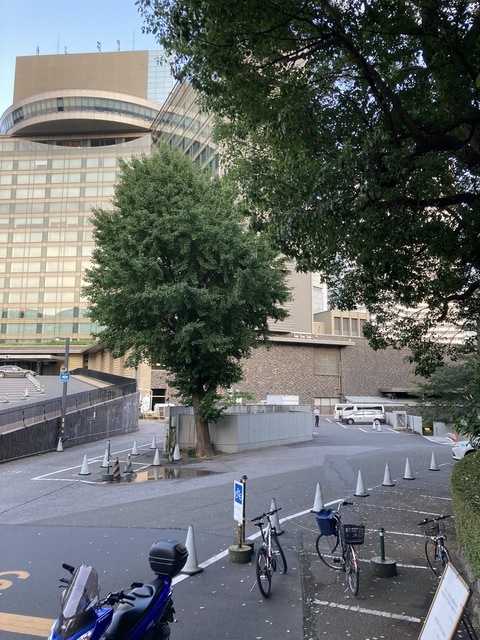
pixel 73 117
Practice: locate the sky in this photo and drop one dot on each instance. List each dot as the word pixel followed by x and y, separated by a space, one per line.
pixel 53 25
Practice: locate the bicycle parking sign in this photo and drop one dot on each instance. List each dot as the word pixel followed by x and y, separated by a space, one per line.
pixel 238 499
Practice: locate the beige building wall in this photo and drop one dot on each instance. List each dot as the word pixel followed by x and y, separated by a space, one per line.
pixel 121 72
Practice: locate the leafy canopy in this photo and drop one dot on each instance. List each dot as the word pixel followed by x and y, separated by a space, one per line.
pixel 177 279
pixel 353 131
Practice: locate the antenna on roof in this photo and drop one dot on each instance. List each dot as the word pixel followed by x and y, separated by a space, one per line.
pixel 37 50
pixel 99 45
pixel 118 45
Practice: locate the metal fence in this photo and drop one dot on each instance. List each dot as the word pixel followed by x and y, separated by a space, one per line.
pixel 28 415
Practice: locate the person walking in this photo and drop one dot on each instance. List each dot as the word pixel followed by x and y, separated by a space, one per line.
pixel 316 413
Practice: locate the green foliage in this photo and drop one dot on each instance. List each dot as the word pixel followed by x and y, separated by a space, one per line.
pixel 177 279
pixel 465 482
pixel 452 395
pixel 353 131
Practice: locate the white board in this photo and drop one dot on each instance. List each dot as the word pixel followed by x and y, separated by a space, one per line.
pixel 446 611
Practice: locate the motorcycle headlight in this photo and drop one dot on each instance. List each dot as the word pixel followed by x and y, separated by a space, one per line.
pixel 86 636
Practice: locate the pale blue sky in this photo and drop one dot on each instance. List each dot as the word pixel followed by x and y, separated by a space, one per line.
pixel 53 25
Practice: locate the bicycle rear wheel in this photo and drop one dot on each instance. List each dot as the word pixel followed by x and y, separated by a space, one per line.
pixel 330 550
pixel 278 559
pixel 352 570
pixel 433 557
pixel 264 572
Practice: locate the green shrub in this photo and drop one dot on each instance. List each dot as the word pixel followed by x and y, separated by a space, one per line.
pixel 465 486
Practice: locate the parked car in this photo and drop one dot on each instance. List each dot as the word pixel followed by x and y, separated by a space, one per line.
pixel 462 449
pixel 366 416
pixel 12 371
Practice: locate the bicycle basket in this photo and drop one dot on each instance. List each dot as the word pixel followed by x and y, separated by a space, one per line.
pixel 434 528
pixel 352 533
pixel 326 522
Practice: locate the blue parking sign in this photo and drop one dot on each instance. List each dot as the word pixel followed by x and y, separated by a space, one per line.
pixel 238 497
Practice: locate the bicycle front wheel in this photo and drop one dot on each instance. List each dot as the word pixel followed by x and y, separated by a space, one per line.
pixel 264 575
pixel 352 570
pixel 433 557
pixel 278 557
pixel 330 551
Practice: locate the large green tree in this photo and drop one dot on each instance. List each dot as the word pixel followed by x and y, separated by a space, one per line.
pixel 353 130
pixel 177 279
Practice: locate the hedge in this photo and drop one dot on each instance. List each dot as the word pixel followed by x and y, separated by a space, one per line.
pixel 465 486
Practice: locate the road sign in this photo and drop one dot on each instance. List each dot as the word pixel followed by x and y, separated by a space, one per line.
pixel 238 498
pixel 65 376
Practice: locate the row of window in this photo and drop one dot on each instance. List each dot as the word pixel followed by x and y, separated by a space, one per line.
pixel 48 236
pixel 81 104
pixel 45 251
pixel 56 178
pixel 47 207
pixel 100 190
pixel 42 164
pixel 83 330
pixel 348 326
pixel 44 312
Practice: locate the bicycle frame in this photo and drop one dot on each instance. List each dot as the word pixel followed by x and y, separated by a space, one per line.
pixel 270 555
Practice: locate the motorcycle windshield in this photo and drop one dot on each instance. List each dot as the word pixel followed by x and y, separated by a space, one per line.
pixel 78 601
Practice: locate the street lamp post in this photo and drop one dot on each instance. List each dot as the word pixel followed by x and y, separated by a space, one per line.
pixel 63 409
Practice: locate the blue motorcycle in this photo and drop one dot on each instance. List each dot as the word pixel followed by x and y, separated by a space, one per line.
pixel 142 612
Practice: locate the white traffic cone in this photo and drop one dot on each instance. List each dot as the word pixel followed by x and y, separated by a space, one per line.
pixel 60 445
pixel 318 503
pixel 387 478
pixel 156 460
pixel 26 393
pixel 154 443
pixel 128 465
pixel 134 448
pixel 176 454
pixel 84 471
pixel 191 567
pixel 275 520
pixel 379 426
pixel 408 475
pixel 433 464
pixel 360 490
pixel 374 426
pixel 106 460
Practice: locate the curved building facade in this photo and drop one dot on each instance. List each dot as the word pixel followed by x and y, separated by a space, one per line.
pixel 73 118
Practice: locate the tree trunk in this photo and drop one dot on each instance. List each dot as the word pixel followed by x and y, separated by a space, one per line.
pixel 204 442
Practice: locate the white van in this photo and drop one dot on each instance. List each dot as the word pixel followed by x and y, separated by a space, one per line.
pixel 349 408
pixel 337 411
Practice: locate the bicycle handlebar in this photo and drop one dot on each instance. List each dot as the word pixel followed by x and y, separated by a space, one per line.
pixel 265 515
pixel 426 521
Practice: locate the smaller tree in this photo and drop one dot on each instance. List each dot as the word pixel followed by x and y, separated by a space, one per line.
pixel 177 279
pixel 452 394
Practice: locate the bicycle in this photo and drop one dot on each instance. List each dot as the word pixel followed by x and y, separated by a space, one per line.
pixel 270 556
pixel 336 543
pixel 436 552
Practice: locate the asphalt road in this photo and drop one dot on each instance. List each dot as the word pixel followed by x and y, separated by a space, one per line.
pixel 50 514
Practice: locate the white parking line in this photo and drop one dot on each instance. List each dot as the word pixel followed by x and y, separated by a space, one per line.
pixel 372 612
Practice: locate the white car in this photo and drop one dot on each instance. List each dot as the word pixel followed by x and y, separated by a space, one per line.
pixel 365 416
pixel 462 449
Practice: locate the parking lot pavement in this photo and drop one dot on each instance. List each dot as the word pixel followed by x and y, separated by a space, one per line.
pixel 392 607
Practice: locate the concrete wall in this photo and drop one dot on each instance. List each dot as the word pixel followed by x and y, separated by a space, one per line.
pixel 97 422
pixel 249 427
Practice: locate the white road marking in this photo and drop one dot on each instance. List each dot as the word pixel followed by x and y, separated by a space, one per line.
pixel 373 612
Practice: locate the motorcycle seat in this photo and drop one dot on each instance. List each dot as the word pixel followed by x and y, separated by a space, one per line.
pixel 128 615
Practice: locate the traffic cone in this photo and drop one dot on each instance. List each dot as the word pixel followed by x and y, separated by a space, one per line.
pixel 379 426
pixel 84 471
pixel 116 471
pixel 176 453
pixel 374 426
pixel 360 490
pixel 156 460
pixel 106 460
pixel 154 443
pixel 6 399
pixel 60 445
pixel 275 520
pixel 433 464
pixel 318 503
pixel 191 567
pixel 408 475
pixel 387 478
pixel 26 393
pixel 134 448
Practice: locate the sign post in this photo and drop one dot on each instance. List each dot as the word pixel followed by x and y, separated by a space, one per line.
pixel 239 508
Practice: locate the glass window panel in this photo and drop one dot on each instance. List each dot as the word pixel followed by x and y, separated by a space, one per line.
pixel 6 178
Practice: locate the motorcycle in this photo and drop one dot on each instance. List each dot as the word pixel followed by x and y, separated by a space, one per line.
pixel 142 612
